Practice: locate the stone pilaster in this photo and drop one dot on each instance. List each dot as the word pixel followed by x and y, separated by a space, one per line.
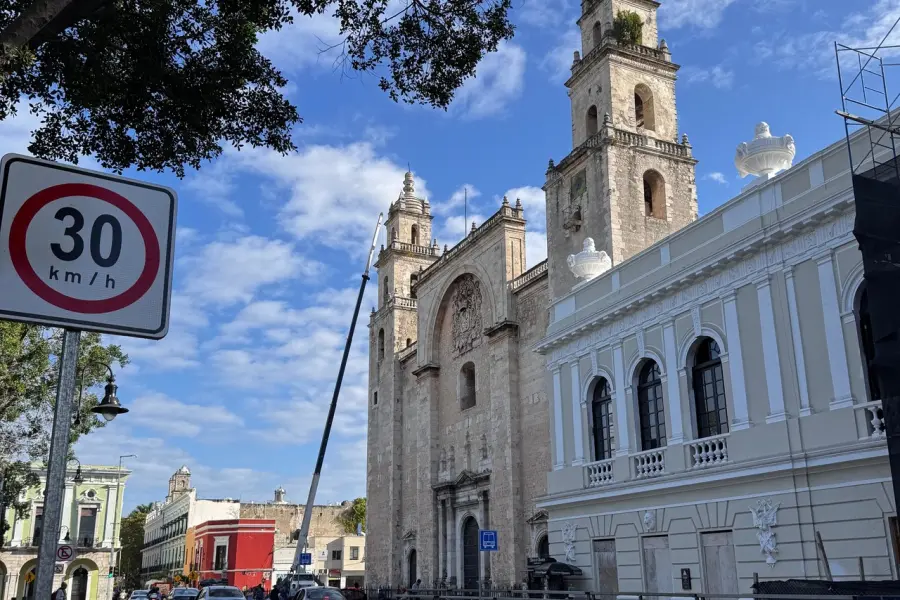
pixel 428 451
pixel 508 564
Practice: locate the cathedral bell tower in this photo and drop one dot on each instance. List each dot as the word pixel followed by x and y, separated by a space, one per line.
pixel 629 180
pixel 409 249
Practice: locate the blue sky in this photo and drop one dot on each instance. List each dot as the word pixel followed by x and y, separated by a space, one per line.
pixel 270 249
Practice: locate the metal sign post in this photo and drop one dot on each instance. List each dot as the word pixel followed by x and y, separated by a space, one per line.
pixel 80 250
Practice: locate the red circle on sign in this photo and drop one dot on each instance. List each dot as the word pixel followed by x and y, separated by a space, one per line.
pixel 19 255
pixel 64 552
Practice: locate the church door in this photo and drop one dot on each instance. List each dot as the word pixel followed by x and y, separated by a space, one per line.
pixel 412 567
pixel 79 584
pixel 470 554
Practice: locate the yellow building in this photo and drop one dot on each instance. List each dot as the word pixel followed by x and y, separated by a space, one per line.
pixel 92 513
pixel 340 561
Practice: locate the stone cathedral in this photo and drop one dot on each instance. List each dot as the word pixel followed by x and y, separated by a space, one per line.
pixel 459 423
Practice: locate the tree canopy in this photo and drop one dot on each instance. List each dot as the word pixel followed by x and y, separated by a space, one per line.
pixel 160 84
pixel 28 375
pixel 131 534
pixel 353 515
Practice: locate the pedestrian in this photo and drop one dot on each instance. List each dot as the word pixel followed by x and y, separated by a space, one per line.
pixel 60 594
pixel 417 584
pixel 259 593
pixel 273 593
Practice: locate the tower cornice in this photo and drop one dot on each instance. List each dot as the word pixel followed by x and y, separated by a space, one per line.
pixel 643 55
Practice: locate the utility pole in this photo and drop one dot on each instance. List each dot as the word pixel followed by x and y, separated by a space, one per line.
pixel 56 465
pixel 302 539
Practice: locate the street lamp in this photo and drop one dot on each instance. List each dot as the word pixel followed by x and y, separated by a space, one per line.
pixel 110 407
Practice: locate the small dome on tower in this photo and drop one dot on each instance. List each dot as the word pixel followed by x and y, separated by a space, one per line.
pixel 409 186
pixel 183 470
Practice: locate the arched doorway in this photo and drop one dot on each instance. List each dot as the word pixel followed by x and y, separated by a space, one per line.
pixel 28 577
pixel 543 549
pixel 471 557
pixel 79 584
pixel 412 567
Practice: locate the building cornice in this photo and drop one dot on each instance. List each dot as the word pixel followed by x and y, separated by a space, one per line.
pixel 765 252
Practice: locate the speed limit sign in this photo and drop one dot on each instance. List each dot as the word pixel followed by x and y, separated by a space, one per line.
pixel 85 250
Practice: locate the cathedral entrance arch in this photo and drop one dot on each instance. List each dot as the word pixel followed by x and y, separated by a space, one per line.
pixel 471 562
pixel 411 563
pixel 79 584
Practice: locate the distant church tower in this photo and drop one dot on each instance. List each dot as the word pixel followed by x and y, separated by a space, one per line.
pixel 629 181
pixel 180 482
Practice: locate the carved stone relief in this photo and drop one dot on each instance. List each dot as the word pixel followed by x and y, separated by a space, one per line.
pixel 467 321
pixel 765 517
pixel 568 538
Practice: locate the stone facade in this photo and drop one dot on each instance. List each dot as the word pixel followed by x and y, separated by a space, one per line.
pixel 449 410
pixel 458 411
pixel 712 404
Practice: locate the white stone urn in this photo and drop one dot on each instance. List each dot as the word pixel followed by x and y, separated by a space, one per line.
pixel 589 263
pixel 765 155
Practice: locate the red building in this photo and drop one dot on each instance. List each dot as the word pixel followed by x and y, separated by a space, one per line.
pixel 238 550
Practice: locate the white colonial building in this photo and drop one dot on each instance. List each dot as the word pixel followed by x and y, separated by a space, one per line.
pixel 711 409
pixel 169 525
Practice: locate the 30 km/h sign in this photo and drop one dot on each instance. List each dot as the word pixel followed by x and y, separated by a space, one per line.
pixel 85 250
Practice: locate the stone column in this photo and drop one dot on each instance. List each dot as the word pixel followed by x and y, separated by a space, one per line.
pixel 442 543
pixel 112 501
pixel 452 570
pixel 771 356
pixel 578 432
pixel 67 524
pixel 834 335
pixel 508 564
pixel 797 341
pixel 622 425
pixel 741 419
pixel 671 377
pixel 427 467
pixel 559 460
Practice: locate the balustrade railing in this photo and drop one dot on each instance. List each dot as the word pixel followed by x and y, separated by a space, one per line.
pixel 650 463
pixel 529 275
pixel 708 452
pixel 415 248
pixel 874 419
pixel 599 473
pixel 406 352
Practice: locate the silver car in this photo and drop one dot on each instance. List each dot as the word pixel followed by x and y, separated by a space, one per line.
pixel 220 591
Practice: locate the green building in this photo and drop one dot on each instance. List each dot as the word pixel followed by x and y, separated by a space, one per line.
pixel 92 511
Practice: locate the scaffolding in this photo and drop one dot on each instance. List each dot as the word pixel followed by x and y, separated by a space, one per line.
pixel 866 104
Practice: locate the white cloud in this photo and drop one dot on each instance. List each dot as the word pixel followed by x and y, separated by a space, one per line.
pixel 544 13
pixel 307 42
pixel 704 14
pixel 558 61
pixel 717 177
pixel 499 80
pixel 814 52
pixel 718 76
pixel 213 184
pixel 534 203
pixel 535 248
pixel 334 192
pixel 167 415
pixel 224 273
pixel 465 193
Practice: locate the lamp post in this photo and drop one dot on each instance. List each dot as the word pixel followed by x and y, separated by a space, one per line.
pixel 118 553
pixel 108 408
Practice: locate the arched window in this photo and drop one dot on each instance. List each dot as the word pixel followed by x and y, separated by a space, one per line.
pixel 543 548
pixel 654 195
pixel 650 407
pixel 591 121
pixel 644 117
pixel 601 411
pixel 387 293
pixel 413 279
pixel 709 390
pixel 596 34
pixel 381 344
pixel 467 386
pixel 393 233
pixel 375 399
pixel 414 235
pixel 408 342
pixel 867 343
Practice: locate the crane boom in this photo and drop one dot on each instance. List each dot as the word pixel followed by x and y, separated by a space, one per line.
pixel 303 535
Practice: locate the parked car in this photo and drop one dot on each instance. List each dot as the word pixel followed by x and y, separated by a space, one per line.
pixel 300 581
pixel 138 595
pixel 220 591
pixel 319 593
pixel 184 593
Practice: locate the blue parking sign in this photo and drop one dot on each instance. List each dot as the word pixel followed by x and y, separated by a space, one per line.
pixel 305 558
pixel 487 540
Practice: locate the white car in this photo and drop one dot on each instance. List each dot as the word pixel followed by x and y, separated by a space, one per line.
pixel 300 581
pixel 220 591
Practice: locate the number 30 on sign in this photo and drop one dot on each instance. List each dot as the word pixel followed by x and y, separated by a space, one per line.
pixel 85 250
